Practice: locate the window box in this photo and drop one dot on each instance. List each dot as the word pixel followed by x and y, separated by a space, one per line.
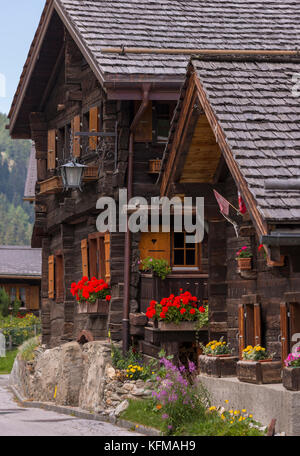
pixel 218 365
pixel 154 166
pixel 259 372
pixel 182 326
pixel 99 307
pixel 291 378
pixel 52 185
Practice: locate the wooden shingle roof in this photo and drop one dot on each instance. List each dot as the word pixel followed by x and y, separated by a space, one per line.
pixel 178 24
pixel 260 118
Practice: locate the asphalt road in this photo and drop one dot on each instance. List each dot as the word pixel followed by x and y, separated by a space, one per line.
pixel 20 421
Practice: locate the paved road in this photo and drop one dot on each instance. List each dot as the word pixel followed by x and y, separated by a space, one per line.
pixel 21 421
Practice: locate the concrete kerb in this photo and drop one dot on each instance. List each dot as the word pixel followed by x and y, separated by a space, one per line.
pixel 83 414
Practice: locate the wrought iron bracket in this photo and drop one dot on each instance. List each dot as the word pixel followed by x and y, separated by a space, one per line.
pixel 102 149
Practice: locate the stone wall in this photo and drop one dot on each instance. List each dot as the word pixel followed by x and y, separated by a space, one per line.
pixel 78 376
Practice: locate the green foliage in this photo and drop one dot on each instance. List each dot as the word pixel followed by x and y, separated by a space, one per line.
pixel 133 364
pixel 216 347
pixel 6 363
pixel 205 423
pixel 26 350
pixel 4 303
pixel 159 267
pixel 15 216
pixel 16 307
pixel 20 329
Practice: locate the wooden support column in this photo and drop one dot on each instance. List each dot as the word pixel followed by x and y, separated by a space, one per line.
pixel 69 267
pixel 45 305
pixel 39 134
pixel 217 286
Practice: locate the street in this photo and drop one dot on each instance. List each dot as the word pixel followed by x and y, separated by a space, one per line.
pixel 20 421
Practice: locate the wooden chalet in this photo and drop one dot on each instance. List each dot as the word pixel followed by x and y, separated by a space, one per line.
pixel 236 128
pixel 115 69
pixel 20 275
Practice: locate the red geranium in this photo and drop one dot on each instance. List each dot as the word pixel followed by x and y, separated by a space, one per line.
pixel 183 307
pixel 90 290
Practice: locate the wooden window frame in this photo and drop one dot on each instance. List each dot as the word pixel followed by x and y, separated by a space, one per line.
pixel 99 256
pixel 184 248
pixel 249 317
pixel 289 322
pixel 28 288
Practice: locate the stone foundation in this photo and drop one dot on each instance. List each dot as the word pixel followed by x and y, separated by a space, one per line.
pixel 78 376
pixel 265 402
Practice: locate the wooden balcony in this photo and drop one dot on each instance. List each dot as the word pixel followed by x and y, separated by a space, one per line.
pixel 51 186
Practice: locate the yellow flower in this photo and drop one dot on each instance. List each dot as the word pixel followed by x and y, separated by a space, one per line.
pixel 241 418
pixel 250 416
pixel 226 401
pixel 244 410
pixel 231 412
pixel 212 408
pixel 231 422
pixel 236 412
pixel 223 417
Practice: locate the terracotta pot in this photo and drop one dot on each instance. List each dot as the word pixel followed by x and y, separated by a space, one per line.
pixel 99 307
pixel 244 264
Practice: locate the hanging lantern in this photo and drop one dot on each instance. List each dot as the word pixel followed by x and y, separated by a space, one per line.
pixel 72 173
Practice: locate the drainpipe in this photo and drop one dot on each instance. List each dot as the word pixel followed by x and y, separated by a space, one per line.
pixel 127 269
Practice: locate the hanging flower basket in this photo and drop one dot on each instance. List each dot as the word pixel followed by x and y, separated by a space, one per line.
pixel 244 264
pixel 291 371
pixel 243 258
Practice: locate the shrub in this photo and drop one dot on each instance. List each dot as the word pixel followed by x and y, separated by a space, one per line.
pixel 293 360
pixel 20 328
pixel 178 396
pixel 26 350
pixel 159 267
pixel 256 353
pixel 4 303
pixel 217 348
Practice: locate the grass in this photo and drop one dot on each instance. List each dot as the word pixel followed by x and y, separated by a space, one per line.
pixel 6 363
pixel 209 424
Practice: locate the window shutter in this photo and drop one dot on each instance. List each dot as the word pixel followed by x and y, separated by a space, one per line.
pixel 94 126
pixel 34 303
pixel 59 278
pixel 107 257
pixel 155 245
pixel 76 139
pixel 257 324
pixel 93 258
pixel 84 256
pixel 51 277
pixel 284 331
pixel 51 150
pixel 143 131
pixel 241 330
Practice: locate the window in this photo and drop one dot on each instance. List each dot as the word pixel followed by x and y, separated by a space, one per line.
pixel 184 254
pixel 95 253
pixel 289 322
pixel 249 315
pixel 28 295
pixel 163 113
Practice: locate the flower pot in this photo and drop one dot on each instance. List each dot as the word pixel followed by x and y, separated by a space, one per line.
pixel 291 378
pixel 218 366
pixel 99 307
pixel 182 326
pixel 244 264
pixel 259 372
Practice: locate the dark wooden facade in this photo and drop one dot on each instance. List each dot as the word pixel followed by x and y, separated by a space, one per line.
pixel 259 306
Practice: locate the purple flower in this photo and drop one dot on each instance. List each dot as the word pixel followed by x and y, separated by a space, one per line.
pixel 170 426
pixel 192 366
pixel 165 416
